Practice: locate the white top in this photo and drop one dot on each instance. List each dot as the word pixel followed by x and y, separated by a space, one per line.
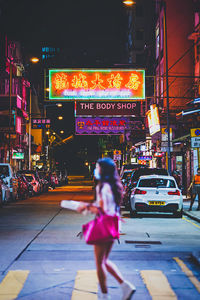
pixel 106 195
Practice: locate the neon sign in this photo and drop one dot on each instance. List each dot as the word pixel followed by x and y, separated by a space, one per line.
pixel 100 126
pixel 107 84
pixel 153 119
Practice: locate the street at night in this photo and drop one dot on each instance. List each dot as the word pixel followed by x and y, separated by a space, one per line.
pixel 38 236
pixel 100 150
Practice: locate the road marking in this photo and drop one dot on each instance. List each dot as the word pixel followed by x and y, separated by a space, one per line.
pixel 12 284
pixel 191 222
pixel 158 285
pixel 85 286
pixel 188 272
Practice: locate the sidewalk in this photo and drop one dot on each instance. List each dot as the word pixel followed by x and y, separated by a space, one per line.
pixel 194 215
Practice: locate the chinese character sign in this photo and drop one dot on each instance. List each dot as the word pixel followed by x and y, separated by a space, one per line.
pixel 153 119
pixel 100 126
pixel 109 84
pixel 38 123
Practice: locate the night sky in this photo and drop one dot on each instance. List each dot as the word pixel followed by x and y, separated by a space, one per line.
pixel 67 23
pixel 90 33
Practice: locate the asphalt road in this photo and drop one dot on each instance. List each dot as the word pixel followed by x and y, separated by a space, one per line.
pixel 41 256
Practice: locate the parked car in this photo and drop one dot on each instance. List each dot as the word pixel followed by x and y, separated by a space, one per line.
pixel 35 175
pixel 156 193
pixel 30 186
pixel 23 187
pixel 134 179
pixel 44 180
pixel 129 167
pixel 9 179
pixel 4 192
pixel 126 176
pixel 34 182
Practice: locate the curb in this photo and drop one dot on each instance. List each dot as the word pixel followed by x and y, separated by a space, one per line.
pixel 186 213
pixel 196 257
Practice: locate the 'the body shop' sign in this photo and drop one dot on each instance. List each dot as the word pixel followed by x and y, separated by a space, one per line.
pixel 107 108
pixel 107 84
pixel 100 126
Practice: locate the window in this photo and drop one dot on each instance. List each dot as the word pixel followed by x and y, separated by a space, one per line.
pixel 140 34
pixel 139 11
pixel 161 35
pixel 157 41
pixel 4 170
pixel 157 183
pixel 139 59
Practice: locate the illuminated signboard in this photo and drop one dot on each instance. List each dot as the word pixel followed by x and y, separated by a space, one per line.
pixel 108 84
pixel 18 155
pixel 40 123
pixel 145 157
pixel 153 119
pixel 100 126
pixel 106 108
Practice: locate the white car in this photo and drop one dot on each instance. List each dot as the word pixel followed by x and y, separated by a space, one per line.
pixel 156 193
pixel 36 185
pixel 5 192
pixel 7 175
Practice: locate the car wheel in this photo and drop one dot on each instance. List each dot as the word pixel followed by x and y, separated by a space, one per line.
pixel 178 214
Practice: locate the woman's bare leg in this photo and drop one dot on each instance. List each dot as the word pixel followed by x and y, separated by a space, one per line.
pixel 193 196
pixel 111 267
pixel 99 251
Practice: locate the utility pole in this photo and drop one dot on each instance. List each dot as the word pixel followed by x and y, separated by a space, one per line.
pixel 167 91
pixel 10 110
pixel 29 132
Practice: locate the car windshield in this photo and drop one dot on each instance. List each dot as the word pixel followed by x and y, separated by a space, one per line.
pixel 4 170
pixel 157 183
pixel 29 178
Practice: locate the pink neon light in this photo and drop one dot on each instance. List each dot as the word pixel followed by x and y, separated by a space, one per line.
pixel 19 102
pixel 18 125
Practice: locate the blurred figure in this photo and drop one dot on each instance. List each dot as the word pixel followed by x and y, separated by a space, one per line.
pixel 109 193
pixel 194 189
pixel 177 177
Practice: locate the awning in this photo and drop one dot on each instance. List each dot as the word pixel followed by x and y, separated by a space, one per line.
pixel 191 111
pixel 181 138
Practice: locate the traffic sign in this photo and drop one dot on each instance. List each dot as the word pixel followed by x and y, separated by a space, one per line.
pixel 117 152
pixel 117 157
pixel 195 142
pixel 195 132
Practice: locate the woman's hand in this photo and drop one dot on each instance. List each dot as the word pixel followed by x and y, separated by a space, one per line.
pixel 93 209
pixel 82 207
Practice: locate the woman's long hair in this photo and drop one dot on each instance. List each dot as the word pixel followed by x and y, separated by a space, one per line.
pixel 110 175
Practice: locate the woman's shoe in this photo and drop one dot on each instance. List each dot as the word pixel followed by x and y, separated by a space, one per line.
pixel 104 296
pixel 128 290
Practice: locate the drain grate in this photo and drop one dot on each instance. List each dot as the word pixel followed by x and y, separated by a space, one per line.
pixel 143 242
pixel 142 246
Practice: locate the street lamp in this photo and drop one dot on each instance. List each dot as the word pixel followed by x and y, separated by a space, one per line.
pixel 62 131
pixel 60 117
pixel 167 89
pixel 129 2
pixel 130 5
pixel 34 60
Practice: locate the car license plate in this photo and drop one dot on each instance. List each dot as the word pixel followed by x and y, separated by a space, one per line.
pixel 156 202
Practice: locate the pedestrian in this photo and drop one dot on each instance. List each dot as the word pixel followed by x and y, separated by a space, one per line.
pixel 194 189
pixel 109 192
pixel 177 177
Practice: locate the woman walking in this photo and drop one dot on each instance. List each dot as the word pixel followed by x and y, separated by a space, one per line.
pixel 109 192
pixel 194 189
